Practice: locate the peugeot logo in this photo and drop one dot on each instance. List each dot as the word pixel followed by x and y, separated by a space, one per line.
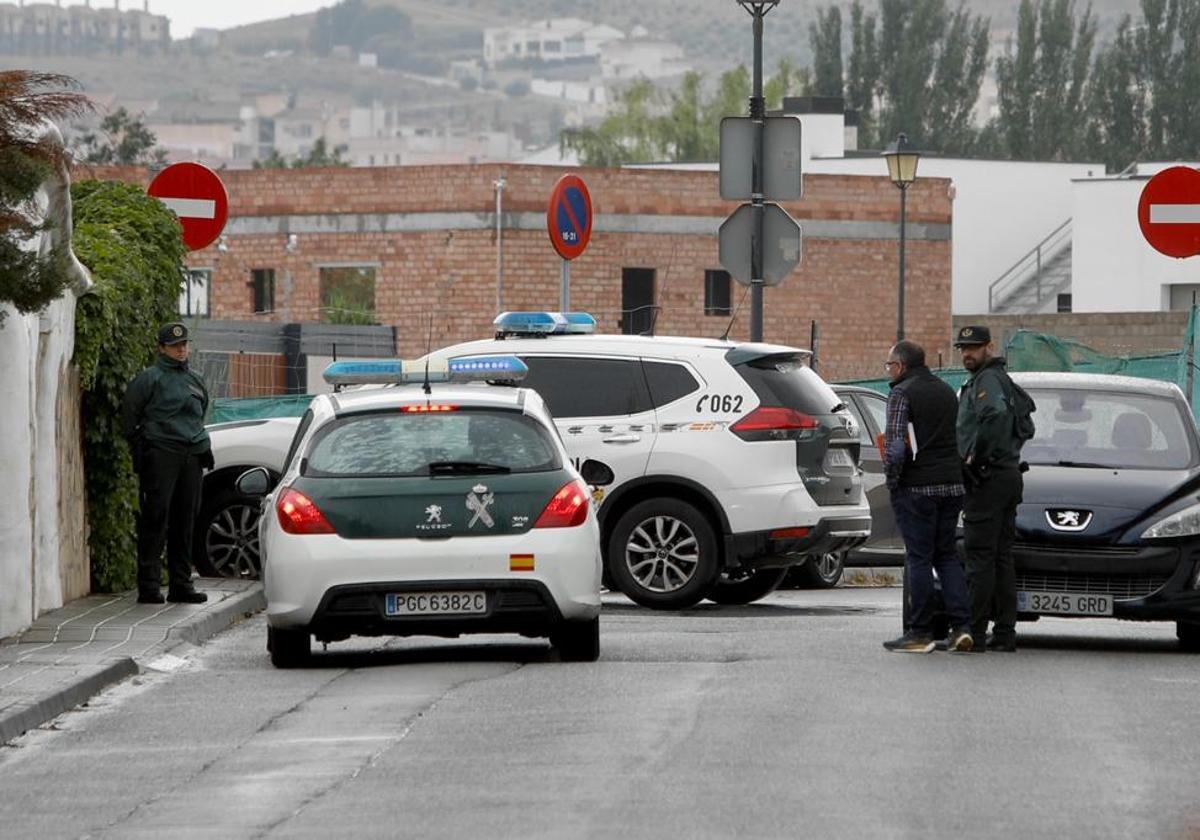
pixel 1068 519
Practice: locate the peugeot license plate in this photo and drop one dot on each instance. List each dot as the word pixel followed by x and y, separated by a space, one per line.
pixel 1064 603
pixel 435 603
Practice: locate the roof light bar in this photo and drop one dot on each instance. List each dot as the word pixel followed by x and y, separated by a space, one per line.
pixel 544 323
pixel 416 372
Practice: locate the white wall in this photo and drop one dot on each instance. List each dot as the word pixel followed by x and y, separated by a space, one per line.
pixel 1002 209
pixel 1113 268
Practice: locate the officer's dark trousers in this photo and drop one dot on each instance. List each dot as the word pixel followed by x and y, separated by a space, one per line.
pixel 989 525
pixel 169 492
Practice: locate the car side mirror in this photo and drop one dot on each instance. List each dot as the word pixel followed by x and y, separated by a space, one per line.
pixel 254 482
pixel 596 473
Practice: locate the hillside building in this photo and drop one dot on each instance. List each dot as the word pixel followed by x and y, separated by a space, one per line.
pixel 54 29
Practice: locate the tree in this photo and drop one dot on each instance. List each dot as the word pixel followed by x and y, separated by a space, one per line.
pixel 122 140
pixel 862 74
pixel 1042 85
pixel 319 155
pixel 29 280
pixel 627 135
pixel 1116 130
pixel 825 36
pixel 788 80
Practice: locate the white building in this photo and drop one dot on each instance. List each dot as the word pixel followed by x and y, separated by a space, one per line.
pixel 553 39
pixel 1114 268
pixel 632 58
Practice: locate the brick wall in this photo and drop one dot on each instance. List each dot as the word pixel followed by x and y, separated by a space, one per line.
pixel 1113 333
pixel 388 217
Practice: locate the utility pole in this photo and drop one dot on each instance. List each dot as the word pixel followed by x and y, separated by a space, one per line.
pixel 758 114
pixel 499 185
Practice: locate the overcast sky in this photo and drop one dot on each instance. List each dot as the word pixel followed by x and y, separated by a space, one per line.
pixel 186 15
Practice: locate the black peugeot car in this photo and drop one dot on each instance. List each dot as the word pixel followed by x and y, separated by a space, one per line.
pixel 1110 519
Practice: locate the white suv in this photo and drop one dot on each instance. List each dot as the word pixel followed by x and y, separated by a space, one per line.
pixel 732 461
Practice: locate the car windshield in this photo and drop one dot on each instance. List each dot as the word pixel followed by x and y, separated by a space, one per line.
pixel 1109 429
pixel 462 442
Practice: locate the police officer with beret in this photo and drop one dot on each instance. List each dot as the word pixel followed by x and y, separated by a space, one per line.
pixel 164 413
pixel 991 454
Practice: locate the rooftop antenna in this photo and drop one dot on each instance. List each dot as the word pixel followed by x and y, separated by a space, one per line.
pixel 729 326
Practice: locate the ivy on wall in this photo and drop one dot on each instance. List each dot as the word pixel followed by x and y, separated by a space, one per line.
pixel 132 245
pixel 27 280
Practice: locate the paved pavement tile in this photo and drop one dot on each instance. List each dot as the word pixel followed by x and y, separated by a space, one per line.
pixel 71 653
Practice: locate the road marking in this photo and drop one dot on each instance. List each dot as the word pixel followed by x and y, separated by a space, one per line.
pixel 202 208
pixel 1174 214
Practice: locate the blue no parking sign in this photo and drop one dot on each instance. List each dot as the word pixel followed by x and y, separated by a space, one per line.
pixel 569 217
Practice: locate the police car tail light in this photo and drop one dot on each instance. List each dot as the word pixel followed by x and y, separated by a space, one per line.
pixel 299 515
pixel 770 422
pixel 567 509
pixel 431 408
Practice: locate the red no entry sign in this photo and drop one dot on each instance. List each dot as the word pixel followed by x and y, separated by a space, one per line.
pixel 569 217
pixel 198 198
pixel 1169 211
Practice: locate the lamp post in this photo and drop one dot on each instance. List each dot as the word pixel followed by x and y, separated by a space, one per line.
pixel 902 158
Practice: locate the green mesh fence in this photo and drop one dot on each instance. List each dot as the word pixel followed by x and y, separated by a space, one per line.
pixel 1033 351
pixel 228 409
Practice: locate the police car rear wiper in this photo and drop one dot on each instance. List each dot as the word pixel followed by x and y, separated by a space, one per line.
pixel 467 467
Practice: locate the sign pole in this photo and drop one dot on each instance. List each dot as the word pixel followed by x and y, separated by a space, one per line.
pixel 564 289
pixel 758 113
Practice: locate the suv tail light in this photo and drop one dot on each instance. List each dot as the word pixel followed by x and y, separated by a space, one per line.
pixel 567 509
pixel 771 422
pixel 298 515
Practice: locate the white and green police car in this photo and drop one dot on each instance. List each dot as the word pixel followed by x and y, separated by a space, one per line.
pixel 438 510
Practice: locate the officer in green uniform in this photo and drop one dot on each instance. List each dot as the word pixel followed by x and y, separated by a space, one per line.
pixel 991 455
pixel 164 413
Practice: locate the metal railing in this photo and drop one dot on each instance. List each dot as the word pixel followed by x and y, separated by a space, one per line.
pixel 1030 265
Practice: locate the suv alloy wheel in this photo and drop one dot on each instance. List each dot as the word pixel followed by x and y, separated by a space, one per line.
pixel 663 554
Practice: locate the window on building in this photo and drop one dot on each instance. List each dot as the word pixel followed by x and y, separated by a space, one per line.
pixel 262 289
pixel 716 292
pixel 195 292
pixel 637 301
pixel 347 294
pixel 1183 295
pixel 1064 302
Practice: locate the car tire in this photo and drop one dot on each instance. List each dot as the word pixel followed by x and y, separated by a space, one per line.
pixel 731 589
pixel 823 571
pixel 225 543
pixel 1188 635
pixel 289 647
pixel 578 641
pixel 650 534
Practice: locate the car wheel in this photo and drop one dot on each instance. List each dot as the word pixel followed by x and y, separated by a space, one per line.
pixel 290 647
pixel 1188 635
pixel 663 554
pixel 578 641
pixel 823 571
pixel 226 540
pixel 747 587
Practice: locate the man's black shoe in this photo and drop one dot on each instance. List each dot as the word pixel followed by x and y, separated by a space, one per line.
pixel 151 596
pixel 186 596
pixel 1002 645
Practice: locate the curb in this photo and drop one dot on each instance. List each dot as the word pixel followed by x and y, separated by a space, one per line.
pixel 64 699
pixel 80 691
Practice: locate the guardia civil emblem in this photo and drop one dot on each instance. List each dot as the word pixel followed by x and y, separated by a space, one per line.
pixel 478 502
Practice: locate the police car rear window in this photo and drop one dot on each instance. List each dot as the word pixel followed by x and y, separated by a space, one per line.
pixel 784 380
pixel 412 444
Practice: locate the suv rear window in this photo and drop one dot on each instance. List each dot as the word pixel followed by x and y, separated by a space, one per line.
pixel 668 382
pixel 784 380
pixel 399 444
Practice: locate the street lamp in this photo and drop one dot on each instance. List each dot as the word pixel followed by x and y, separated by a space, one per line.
pixel 902 158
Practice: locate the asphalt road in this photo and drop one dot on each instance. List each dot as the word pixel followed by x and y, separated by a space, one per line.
pixel 782 719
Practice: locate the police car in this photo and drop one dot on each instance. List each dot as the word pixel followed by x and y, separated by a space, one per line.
pixel 428 509
pixel 733 461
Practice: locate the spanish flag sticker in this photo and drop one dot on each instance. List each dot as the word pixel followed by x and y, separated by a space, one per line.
pixel 520 562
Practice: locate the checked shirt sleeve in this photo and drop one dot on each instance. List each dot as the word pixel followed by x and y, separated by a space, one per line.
pixel 894 435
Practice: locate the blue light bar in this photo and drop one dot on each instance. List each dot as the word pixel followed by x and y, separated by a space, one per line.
pixel 398 372
pixel 544 323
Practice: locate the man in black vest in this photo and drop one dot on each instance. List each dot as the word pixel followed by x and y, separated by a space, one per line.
pixel 924 474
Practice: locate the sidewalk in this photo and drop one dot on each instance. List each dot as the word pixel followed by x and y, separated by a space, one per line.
pixel 72 653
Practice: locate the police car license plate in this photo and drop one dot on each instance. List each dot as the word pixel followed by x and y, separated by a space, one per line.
pixel 435 603
pixel 1064 603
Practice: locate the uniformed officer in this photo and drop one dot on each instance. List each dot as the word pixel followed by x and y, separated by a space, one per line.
pixel 991 454
pixel 164 424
